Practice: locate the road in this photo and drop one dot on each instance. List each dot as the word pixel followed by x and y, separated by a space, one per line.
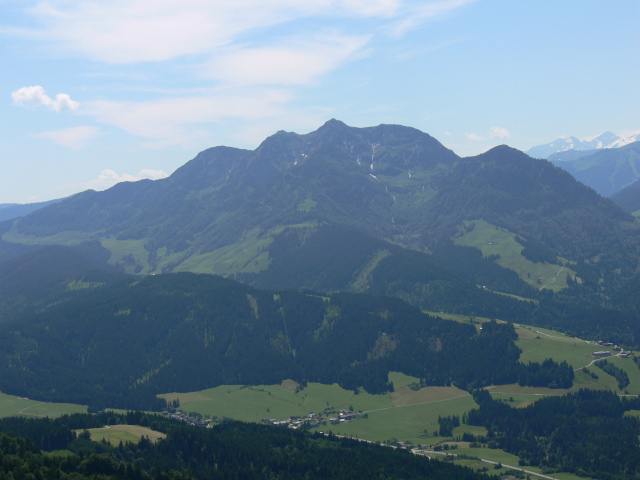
pixel 530 472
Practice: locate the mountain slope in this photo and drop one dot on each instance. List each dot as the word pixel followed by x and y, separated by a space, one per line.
pixel 606 171
pixel 628 198
pixel 183 332
pixel 51 275
pixel 9 211
pixel 221 212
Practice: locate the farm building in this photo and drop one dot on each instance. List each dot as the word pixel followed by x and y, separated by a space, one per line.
pixel 602 354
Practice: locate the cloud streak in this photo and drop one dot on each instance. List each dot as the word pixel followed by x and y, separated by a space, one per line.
pixel 74 138
pixel 134 31
pixel 171 121
pixel 420 12
pixel 36 96
pixel 253 54
pixel 474 137
pixel 296 62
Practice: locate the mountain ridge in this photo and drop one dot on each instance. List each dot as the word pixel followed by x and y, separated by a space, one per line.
pixel 220 212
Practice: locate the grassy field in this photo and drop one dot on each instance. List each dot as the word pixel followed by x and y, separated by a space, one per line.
pixel 253 403
pixel 130 249
pixel 415 423
pixel 64 238
pixel 114 434
pixel 11 405
pixel 492 240
pixel 538 344
pixel 406 414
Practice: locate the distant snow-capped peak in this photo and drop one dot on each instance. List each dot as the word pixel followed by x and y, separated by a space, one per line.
pixel 605 140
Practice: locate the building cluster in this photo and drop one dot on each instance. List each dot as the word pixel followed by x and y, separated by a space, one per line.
pixel 184 418
pixel 313 420
pixel 607 353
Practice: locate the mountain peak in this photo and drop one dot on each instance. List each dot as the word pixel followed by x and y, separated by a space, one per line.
pixel 598 142
pixel 333 123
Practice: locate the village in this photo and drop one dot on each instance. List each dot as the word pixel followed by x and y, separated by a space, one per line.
pixel 313 420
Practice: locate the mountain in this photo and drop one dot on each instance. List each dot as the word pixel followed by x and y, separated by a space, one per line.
pixel 628 198
pixel 230 211
pixel 9 211
pixel 606 140
pixel 559 158
pixel 606 171
pixel 133 339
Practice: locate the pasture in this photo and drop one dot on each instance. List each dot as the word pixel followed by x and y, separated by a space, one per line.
pixel 492 240
pixel 11 405
pixel 114 434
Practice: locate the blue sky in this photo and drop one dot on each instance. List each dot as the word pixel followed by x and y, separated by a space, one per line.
pixel 96 92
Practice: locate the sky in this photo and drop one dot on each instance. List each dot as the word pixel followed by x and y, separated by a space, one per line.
pixel 100 91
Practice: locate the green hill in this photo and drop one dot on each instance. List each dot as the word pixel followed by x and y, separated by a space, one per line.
pixel 131 340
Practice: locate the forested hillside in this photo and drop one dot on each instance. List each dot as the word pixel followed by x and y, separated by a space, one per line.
pixel 628 198
pixel 586 433
pixel 128 341
pixel 51 275
pixel 228 451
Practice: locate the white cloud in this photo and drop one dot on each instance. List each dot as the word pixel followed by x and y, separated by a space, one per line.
pixel 108 178
pixel 171 121
pixel 474 137
pixel 130 31
pixel 382 8
pixel 416 14
pixel 74 138
pixel 214 39
pixel 298 61
pixel 499 132
pixel 36 96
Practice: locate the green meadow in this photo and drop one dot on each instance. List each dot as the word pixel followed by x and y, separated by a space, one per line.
pixel 10 406
pixel 408 414
pixel 492 240
pixel 114 434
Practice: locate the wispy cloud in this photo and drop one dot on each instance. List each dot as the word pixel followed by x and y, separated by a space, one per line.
pixel 253 54
pixel 108 178
pixel 154 30
pixel 296 61
pixel 170 121
pixel 417 13
pixel 494 132
pixel 474 137
pixel 74 138
pixel 36 96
